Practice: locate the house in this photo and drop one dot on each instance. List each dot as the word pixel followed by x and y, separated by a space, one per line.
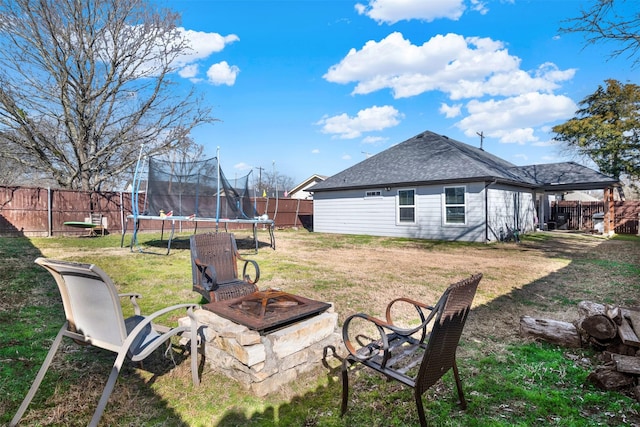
pixel 302 190
pixel 433 187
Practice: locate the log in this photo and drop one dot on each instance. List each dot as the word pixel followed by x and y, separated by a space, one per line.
pixel 627 334
pixel 636 392
pixel 633 316
pixel 608 379
pixel 614 313
pixel 552 331
pixel 589 308
pixel 599 326
pixel 626 364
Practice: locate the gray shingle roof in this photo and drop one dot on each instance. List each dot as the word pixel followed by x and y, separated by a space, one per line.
pixel 432 158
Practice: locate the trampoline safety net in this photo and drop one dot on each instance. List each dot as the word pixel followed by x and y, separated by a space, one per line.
pixel 192 188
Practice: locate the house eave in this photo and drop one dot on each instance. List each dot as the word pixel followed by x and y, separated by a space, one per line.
pixel 491 179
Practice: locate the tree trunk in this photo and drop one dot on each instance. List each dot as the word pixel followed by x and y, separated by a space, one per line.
pixel 552 331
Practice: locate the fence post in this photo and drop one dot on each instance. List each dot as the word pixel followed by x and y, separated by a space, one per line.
pixel 49 213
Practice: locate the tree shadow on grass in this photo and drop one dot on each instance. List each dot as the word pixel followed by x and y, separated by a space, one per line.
pixel 31 314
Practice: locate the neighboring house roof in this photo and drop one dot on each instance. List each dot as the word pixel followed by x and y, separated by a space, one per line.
pixel 580 196
pixel 432 158
pixel 309 182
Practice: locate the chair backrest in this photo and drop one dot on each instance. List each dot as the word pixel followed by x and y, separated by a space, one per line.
pixel 218 250
pixel 453 309
pixel 96 219
pixel 91 302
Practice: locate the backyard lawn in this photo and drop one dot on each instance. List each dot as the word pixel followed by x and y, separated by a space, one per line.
pixel 508 380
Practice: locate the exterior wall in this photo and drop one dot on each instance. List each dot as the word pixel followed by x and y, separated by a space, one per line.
pixel 510 207
pixel 305 192
pixel 350 212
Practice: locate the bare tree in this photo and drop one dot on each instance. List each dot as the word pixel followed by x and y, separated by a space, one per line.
pixel 610 21
pixel 83 84
pixel 269 182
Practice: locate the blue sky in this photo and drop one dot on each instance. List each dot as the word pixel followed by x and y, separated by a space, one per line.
pixel 305 87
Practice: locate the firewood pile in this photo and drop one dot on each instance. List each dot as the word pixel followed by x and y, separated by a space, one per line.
pixel 610 329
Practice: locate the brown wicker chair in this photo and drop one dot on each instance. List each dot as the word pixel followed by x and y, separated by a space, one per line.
pixel 413 356
pixel 214 266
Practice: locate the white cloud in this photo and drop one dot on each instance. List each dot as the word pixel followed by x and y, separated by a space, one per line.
pixel 392 11
pixel 204 44
pixel 190 72
pixel 512 119
pixel 346 157
pixel 222 74
pixel 479 6
pixel 450 111
pixel 315 151
pixel 503 100
pixel 373 139
pixel 488 89
pixel 242 166
pixel 370 119
pixel 461 67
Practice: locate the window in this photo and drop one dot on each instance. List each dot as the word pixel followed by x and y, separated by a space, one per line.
pixel 454 205
pixel 376 193
pixel 406 206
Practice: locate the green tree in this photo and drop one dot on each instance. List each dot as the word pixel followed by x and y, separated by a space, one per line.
pixel 606 129
pixel 83 84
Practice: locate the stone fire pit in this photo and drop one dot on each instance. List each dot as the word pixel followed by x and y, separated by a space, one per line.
pixel 264 362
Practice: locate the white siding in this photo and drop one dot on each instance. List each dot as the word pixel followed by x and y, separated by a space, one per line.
pixel 350 212
pixel 510 207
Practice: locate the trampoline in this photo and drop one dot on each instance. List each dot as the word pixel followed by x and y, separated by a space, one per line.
pixel 194 192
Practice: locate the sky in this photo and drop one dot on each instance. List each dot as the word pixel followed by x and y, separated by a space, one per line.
pixel 304 87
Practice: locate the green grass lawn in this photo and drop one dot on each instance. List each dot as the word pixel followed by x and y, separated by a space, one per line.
pixel 508 381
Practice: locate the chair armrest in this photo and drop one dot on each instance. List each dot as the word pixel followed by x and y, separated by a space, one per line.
pixel 374 347
pixel 420 307
pixel 207 274
pixel 148 320
pixel 384 326
pixel 256 269
pixel 133 297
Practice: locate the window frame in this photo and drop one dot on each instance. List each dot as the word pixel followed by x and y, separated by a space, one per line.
pixel 399 207
pixel 446 205
pixel 368 194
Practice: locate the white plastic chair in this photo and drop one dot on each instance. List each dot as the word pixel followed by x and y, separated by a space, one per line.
pixel 94 316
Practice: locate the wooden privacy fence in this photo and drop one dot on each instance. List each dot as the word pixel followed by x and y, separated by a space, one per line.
pixel 577 215
pixel 41 212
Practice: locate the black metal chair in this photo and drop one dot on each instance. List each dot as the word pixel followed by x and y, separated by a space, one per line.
pixel 214 266
pixel 413 356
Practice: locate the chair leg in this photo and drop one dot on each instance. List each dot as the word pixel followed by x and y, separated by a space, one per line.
pixel 41 373
pixel 345 385
pixel 463 402
pixel 420 406
pixel 106 393
pixel 194 353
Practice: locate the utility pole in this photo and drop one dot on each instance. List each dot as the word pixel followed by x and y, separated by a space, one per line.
pixel 259 177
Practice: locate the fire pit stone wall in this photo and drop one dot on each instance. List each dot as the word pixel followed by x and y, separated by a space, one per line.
pixel 265 363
